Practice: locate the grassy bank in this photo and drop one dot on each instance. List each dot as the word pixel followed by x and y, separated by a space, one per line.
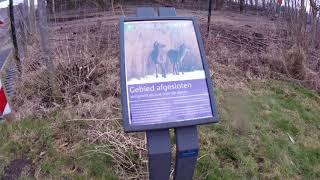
pixel 38 144
pixel 270 130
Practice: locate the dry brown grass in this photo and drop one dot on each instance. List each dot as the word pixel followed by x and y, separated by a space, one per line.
pixel 240 54
pixel 87 70
pixel 86 56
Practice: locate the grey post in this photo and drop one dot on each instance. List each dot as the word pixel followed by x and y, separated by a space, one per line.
pixel 186 137
pixel 187 152
pixel 159 154
pixel 209 15
pixel 158 141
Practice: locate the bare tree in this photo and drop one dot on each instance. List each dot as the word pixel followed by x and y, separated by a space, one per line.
pixel 264 4
pixel 26 13
pixel 32 17
pixel 251 2
pixel 241 5
pixel 219 4
pixel 53 6
pixel 256 3
pixel 315 9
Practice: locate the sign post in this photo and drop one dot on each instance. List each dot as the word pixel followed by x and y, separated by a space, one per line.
pixel 187 152
pixel 165 83
pixel 186 137
pixel 158 141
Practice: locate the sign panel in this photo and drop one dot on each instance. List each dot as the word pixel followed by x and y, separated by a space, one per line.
pixel 164 78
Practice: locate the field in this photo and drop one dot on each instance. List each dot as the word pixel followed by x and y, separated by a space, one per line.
pixel 269 120
pixel 270 130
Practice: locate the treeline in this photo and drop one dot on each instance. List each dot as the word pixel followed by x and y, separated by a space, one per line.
pixel 293 10
pixel 62 5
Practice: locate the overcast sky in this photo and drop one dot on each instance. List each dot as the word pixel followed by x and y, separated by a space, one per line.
pixel 4 3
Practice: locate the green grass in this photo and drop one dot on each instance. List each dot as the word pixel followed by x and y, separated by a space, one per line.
pixel 252 139
pixel 34 140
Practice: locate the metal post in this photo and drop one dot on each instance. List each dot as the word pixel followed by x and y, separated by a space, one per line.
pixel 159 153
pixel 187 152
pixel 186 137
pixel 14 36
pixel 209 15
pixel 158 141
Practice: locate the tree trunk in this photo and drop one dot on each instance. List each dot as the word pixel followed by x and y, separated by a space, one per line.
pixel 241 5
pixel 251 2
pixel 256 3
pixel 317 31
pixel 315 10
pixel 302 15
pixel 53 7
pixel 32 17
pixel 286 5
pixel 219 4
pixel 26 13
pixel 314 27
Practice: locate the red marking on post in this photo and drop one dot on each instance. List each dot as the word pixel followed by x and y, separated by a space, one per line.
pixel 3 101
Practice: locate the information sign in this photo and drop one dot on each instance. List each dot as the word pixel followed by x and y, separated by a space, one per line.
pixel 164 74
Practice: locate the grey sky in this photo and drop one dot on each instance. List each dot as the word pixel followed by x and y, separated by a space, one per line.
pixel 4 3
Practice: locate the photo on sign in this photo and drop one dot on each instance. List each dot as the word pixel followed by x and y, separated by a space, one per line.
pixel 165 78
pixel 161 51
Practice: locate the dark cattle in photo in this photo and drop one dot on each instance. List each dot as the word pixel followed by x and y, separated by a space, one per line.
pixel 176 57
pixel 157 58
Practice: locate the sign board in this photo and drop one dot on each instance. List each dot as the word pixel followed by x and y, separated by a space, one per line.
pixel 164 74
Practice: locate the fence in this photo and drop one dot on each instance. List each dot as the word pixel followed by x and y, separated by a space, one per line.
pixel 14 42
pixel 60 11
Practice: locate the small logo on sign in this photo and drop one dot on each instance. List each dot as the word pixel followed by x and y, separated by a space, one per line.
pixel 188 153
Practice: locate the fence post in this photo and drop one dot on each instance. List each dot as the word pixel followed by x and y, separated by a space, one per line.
pixel 14 37
pixel 209 16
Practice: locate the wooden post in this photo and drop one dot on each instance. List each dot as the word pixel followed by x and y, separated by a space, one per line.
pixel 44 42
pixel 14 37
